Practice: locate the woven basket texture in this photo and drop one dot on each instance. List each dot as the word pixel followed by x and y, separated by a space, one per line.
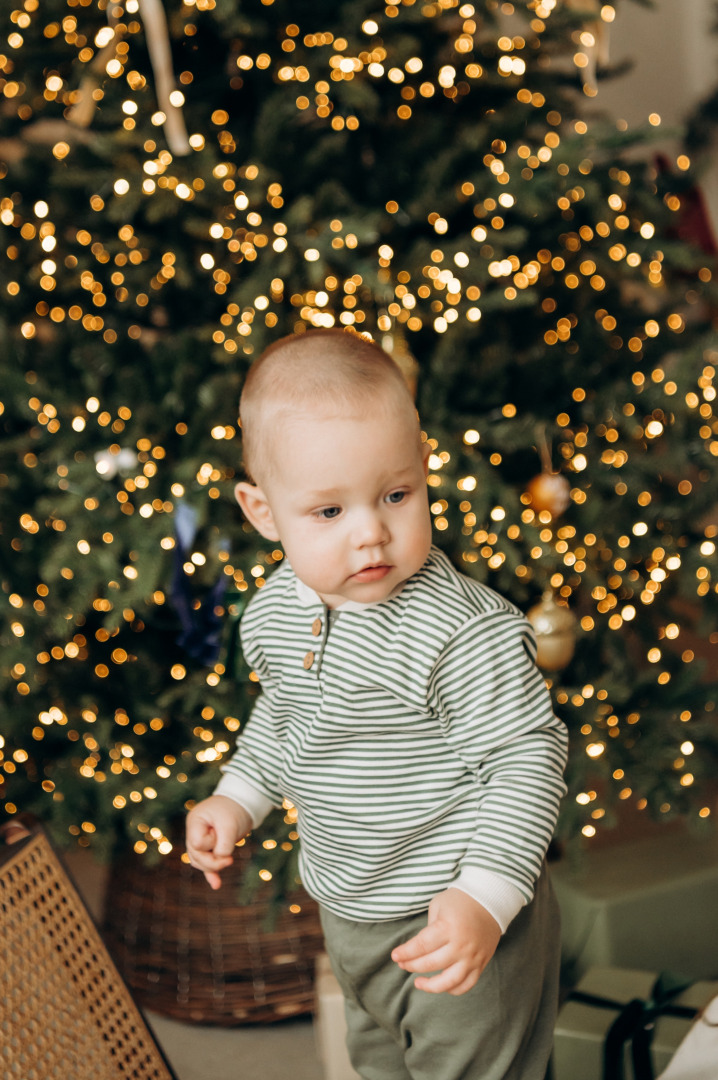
pixel 198 955
pixel 64 1009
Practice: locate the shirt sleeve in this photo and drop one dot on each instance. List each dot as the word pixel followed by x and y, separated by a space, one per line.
pixel 496 712
pixel 251 776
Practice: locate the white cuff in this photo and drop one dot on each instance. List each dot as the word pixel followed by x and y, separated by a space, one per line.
pixel 254 802
pixel 501 899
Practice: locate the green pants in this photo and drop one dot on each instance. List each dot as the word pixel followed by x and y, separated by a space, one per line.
pixel 501 1029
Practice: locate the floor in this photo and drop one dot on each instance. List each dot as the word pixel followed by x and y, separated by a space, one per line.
pixel 284 1051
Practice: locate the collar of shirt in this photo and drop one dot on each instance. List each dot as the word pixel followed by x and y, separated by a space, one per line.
pixel 309 598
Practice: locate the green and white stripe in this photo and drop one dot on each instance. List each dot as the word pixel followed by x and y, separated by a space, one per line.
pixel 419 748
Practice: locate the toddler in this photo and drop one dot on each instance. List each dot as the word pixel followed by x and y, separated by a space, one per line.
pixel 403 716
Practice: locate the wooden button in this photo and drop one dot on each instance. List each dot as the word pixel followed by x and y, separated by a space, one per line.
pixel 308 660
pixel 317 627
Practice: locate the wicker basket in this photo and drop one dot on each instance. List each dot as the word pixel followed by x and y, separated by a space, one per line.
pixel 198 955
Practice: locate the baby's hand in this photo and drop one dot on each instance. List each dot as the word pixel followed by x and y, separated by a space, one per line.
pixel 213 828
pixel 458 942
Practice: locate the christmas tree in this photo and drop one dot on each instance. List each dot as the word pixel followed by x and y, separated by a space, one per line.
pixel 179 186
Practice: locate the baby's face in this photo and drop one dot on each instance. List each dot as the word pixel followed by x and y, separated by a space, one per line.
pixel 349 502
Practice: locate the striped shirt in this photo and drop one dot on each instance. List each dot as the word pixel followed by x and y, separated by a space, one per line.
pixel 414 736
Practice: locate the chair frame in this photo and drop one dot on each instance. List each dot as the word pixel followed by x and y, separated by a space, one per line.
pixel 64 1009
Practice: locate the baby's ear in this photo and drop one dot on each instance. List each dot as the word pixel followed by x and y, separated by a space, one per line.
pixel 256 509
pixel 425 455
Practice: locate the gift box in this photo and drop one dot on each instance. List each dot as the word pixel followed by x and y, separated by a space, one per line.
pixel 648 904
pixel 618 1020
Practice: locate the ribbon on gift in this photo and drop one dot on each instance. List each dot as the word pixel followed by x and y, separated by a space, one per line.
pixel 635 1023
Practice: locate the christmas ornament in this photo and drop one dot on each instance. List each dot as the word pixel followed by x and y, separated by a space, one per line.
pixel 550 491
pixel 555 629
pixel 200 616
pixel 109 462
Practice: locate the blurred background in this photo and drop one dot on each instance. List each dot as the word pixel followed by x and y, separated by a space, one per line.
pixel 518 200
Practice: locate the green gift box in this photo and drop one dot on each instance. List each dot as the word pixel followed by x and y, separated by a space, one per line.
pixel 624 1024
pixel 647 904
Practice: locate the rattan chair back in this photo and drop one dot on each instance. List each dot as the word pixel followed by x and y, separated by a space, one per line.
pixel 65 1011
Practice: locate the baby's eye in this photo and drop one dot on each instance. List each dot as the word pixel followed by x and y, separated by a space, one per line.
pixel 395 496
pixel 328 512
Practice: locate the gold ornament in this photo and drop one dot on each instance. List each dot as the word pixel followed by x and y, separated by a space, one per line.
pixel 550 491
pixel 555 629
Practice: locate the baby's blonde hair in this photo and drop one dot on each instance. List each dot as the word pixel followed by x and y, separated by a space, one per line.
pixel 335 368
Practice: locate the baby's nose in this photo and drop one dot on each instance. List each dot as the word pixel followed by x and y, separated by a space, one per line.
pixel 371 530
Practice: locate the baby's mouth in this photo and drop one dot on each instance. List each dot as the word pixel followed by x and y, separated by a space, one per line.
pixel 372 573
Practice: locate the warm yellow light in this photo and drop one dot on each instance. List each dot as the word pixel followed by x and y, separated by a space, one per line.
pixel 104 37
